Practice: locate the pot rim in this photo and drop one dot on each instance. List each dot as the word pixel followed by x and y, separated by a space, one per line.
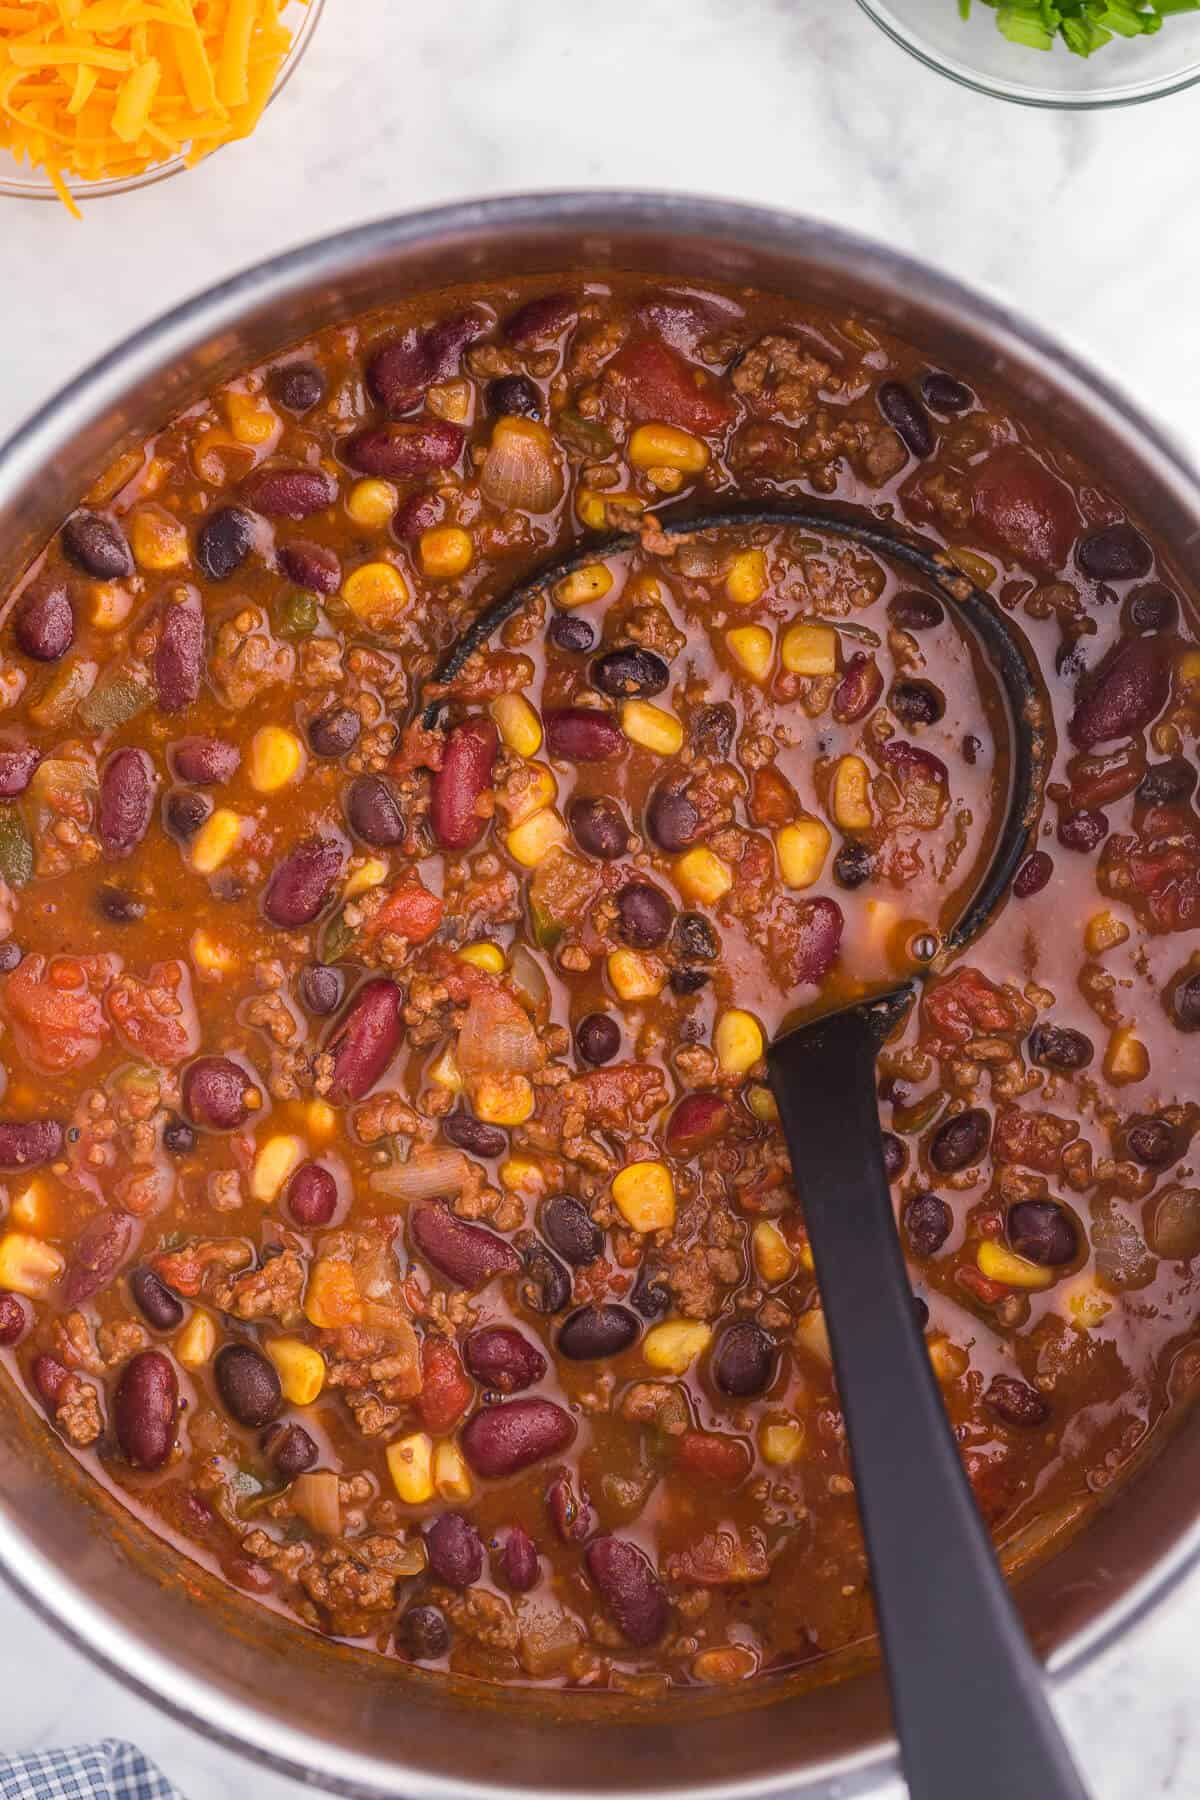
pixel 47 1588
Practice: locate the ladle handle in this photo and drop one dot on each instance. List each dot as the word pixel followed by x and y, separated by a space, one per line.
pixel 967 1692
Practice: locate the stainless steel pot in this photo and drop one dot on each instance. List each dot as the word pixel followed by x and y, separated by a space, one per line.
pixel 239 1674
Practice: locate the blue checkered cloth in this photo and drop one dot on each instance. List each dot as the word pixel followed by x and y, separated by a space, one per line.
pixel 110 1770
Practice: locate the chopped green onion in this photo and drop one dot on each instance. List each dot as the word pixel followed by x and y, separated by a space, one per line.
pixel 1084 26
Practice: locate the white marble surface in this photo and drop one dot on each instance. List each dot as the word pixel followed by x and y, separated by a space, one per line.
pixel 1088 222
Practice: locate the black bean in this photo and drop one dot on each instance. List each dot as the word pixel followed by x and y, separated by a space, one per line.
pixel 1152 1142
pixel 1084 830
pixel 567 632
pixel 154 1300
pixel 650 1296
pixel 928 1222
pixel 1060 1047
pixel 248 1384
pixel 513 396
pixel 904 411
pixel 1152 608
pixel 373 812
pixel 1043 1232
pixel 290 1449
pixel 916 702
pixel 545 1284
pixel 912 611
pixel 629 671
pixel 297 387
pixel 1184 1002
pixel 672 819
pixel 423 1633
pixel 184 813
pixel 594 1332
pixel 597 1038
pixel 713 729
pixel 644 915
pixel 1016 1402
pixel 466 1132
pixel 598 827
pixel 1166 783
pixel 894 1155
pixel 333 733
pixel 10 956
pixel 455 1551
pixel 743 1361
pixel 688 981
pixel 571 1229
pixel 943 394
pixel 852 865
pixel 120 906
pixel 321 988
pixel 693 937
pixel 223 542
pixel 1115 553
pixel 960 1141
pixel 920 1311
pixel 97 546
pixel 178 1137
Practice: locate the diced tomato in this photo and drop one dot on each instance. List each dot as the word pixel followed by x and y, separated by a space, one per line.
pixel 657 383
pixel 410 911
pixel 1024 509
pixel 965 1005
pixel 55 1009
pixel 980 1286
pixel 156 1017
pixel 445 1388
pixel 712 1456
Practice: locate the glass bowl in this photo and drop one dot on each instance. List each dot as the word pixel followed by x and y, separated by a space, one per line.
pixel 975 54
pixel 21 182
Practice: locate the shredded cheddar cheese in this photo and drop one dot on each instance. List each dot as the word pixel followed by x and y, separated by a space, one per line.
pixel 95 90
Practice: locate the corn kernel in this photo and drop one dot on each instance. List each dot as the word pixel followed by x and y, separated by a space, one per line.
pixel 753 647
pixel 999 1263
pixel 724 1664
pixel 483 956
pixel 451 1476
pixel 410 1465
pixel 746 582
pixel 1188 673
pixel 503 1099
pixel 159 541
pixel 372 503
pixel 644 1195
pixel 216 840
pixel 532 792
pixel 651 727
pixel 772 1257
pixel 276 757
pixel 950 1361
pixel 331 1298
pixel 1083 1303
pixel 701 875
pixel 445 1072
pixel 518 724
pixel 802 849
pixel 450 400
pixel 851 794
pixel 197 1341
pixel 31 1208
pixel 111 606
pixel 591 582
pixel 1127 1058
pixel 277 1159
pixel 372 872
pixel 209 955
pixel 597 509
pixel 28 1266
pixel 666 447
pixel 445 552
pixel 531 842
pixel 763 1104
pixel 1104 931
pixel 522 1175
pixel 376 592
pixel 300 1368
pixel 251 419
pixel 634 975
pixel 674 1347
pixel 782 1444
pixel 320 1121
pixel 738 1041
pixel 809 650
pixel 812 1334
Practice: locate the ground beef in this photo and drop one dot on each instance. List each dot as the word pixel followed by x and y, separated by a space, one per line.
pixel 271 1292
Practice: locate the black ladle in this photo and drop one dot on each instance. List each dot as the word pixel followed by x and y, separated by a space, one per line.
pixel 967 1692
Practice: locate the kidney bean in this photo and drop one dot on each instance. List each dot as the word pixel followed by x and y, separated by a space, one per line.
pixel 499 1357
pixel 1114 553
pixel 465 775
pixel 17 763
pixel 184 814
pixel 571 1229
pixel 368 1037
pixel 1032 875
pixel 743 1359
pixel 12 1319
pixel 629 670
pixel 423 1633
pixel 512 397
pixel 1060 1047
pixel 816 940
pixel 1151 1142
pixel 571 1516
pixel 49 1377
pixel 503 1440
pixel 313 567
pixel 580 734
pixel 597 1038
pixel 1015 1401
pixel 1152 608
pixel 179 655
pixel 399 373
pixel 223 542
pixel 398 452
pixel 592 1332
pixel 568 632
pixel 154 1300
pixel 373 812
pixel 519 1560
pixel 296 386
pixel 99 1250
pixel 468 1133
pixel 1126 693
pixel 301 884
pixel 97 545
pixel 26 1143
pixel 699 1119
pixel 290 1449
pixel 1165 783
pixel 545 1285
pixel 311 1195
pixel 333 733
pixel 1020 506
pixel 540 321
pixel 289 493
pixel 178 1137
pixel 916 702
pixel 248 1384
pixel 943 394
pixel 895 1156
pixel 1084 830
pixel 915 612
pixel 598 827
pixel 904 412
pixel 1183 1002
pixel 217 1093
pixel 630 1588
pixel 644 915
pixel 144 1408
pixel 416 515
pixel 928 1222
pixel 204 761
pixel 858 690
pixel 321 988
pixel 960 1141
pixel 455 1551
pixel 43 624
pixel 127 783
pixel 1043 1232
pixel 469 1255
